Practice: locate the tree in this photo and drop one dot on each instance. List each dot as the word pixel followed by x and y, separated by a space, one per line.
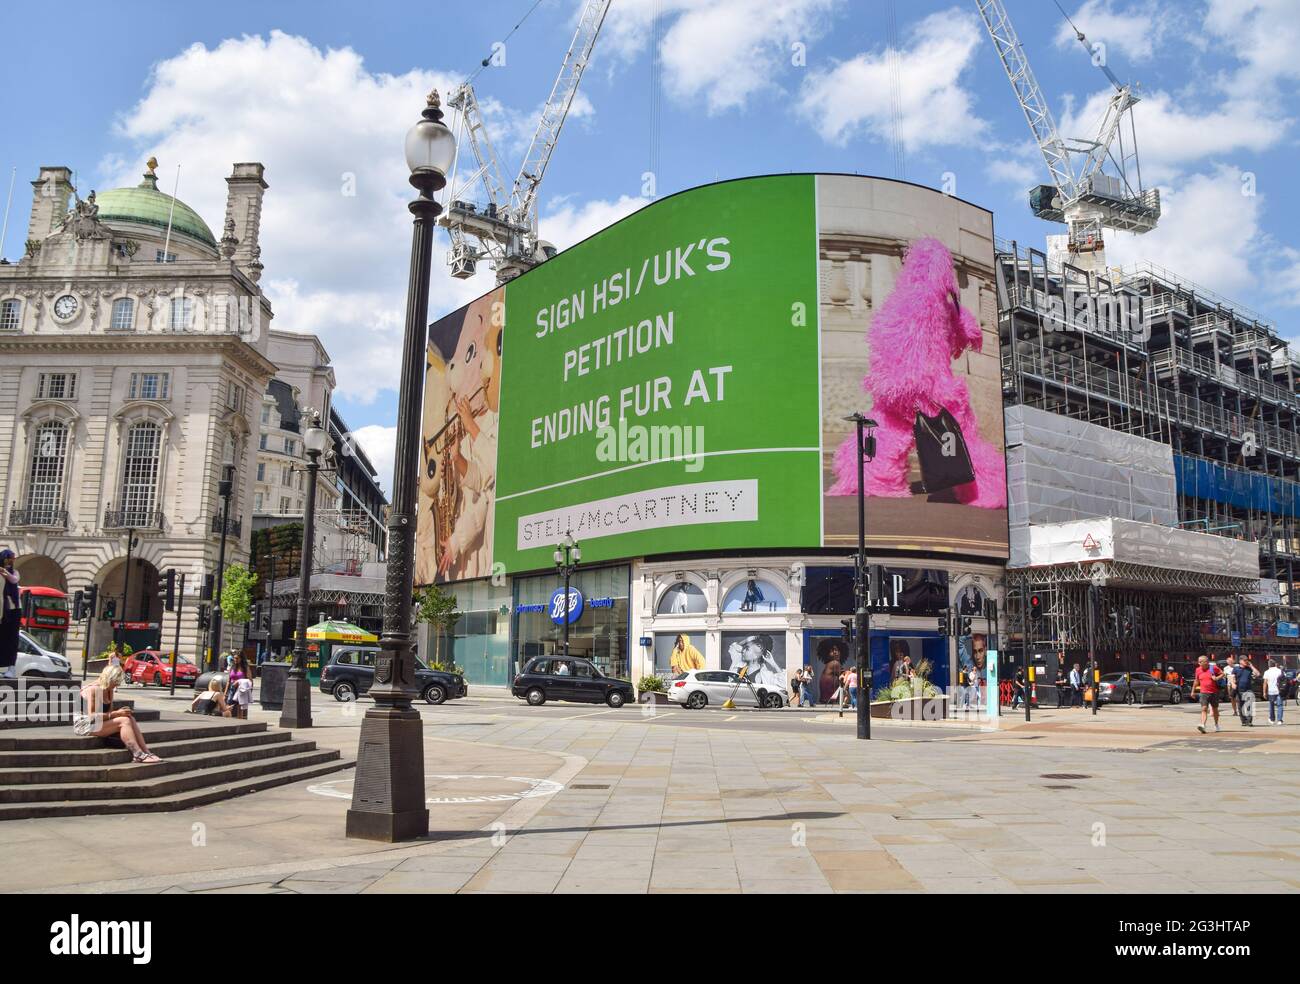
pixel 435 606
pixel 237 595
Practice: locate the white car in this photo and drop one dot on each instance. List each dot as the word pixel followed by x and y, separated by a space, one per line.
pixel 700 688
pixel 33 661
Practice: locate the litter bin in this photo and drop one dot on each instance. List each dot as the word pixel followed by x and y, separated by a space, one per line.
pixel 271 691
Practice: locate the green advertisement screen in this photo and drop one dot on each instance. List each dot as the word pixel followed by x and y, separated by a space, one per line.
pixel 661 386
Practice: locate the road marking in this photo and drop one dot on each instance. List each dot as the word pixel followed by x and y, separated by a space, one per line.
pixel 536 787
pixel 733 717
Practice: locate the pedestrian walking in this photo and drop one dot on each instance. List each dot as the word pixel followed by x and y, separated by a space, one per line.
pixel 1076 686
pixel 1230 682
pixel 851 681
pixel 1273 692
pixel 97 718
pixel 1207 685
pixel 806 681
pixel 1018 689
pixel 10 613
pixel 1244 681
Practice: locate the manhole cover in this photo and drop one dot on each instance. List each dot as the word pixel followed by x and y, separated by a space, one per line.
pixel 1064 775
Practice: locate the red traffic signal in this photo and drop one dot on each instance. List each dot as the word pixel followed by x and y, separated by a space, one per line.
pixel 1035 607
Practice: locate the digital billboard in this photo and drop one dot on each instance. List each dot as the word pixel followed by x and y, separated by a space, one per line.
pixel 677 382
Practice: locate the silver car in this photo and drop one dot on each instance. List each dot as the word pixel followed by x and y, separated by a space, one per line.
pixel 700 688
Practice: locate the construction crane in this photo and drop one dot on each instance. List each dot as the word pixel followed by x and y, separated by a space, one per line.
pixel 1084 194
pixel 503 230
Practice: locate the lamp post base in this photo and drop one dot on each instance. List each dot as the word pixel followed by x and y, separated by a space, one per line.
pixel 388 798
pixel 296 710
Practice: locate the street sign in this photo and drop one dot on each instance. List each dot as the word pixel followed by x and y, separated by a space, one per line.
pixel 1236 639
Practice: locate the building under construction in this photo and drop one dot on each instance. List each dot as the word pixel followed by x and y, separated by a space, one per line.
pixel 1153 441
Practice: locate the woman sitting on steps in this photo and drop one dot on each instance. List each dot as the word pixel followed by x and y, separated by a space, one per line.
pixel 97 719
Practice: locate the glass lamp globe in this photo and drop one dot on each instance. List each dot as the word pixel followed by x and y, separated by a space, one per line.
pixel 314 439
pixel 430 146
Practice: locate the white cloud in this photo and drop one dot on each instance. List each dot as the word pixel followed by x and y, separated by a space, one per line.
pixel 1265 36
pixel 1135 32
pixel 1208 233
pixel 569 224
pixel 380 445
pixel 1171 137
pixel 723 51
pixel 335 265
pixel 936 109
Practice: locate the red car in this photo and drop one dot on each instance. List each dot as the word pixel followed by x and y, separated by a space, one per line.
pixel 151 666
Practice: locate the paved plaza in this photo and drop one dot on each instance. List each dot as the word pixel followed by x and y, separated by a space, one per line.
pixel 570 798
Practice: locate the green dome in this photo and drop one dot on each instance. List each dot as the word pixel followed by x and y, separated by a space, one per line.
pixel 147 205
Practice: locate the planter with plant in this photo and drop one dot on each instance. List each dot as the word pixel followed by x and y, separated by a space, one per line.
pixel 652 690
pixel 916 699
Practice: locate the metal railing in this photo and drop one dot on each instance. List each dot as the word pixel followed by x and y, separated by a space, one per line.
pixel 1225 374
pixel 133 519
pixel 234 527
pixel 39 516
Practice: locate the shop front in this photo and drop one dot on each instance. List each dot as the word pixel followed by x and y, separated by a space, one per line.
pixel 774 615
pixel 597 618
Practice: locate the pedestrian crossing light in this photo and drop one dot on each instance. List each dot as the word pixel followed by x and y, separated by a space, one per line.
pixel 1036 607
pixel 167 590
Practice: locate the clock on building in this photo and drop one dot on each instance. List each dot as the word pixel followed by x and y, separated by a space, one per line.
pixel 65 307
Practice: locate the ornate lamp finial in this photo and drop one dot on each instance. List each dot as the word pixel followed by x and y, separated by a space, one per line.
pixel 152 166
pixel 433 101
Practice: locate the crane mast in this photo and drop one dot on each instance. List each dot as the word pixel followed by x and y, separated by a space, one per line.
pixel 1082 194
pixel 504 229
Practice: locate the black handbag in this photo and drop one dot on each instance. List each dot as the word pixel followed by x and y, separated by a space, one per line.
pixel 942 452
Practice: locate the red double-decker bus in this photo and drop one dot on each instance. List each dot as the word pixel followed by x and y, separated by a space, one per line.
pixel 45 616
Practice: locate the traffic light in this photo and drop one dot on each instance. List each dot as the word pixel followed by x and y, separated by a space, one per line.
pixel 110 609
pixel 266 622
pixel 256 618
pixel 964 626
pixel 846 633
pixel 944 626
pixel 206 593
pixel 168 590
pixel 1036 607
pixel 78 606
pixel 92 600
pixel 203 616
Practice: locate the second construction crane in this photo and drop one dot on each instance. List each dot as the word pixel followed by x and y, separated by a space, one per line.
pixel 1085 194
pixel 503 229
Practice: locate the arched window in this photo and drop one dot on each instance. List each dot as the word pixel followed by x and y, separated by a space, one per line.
pixel 123 315
pixel 45 474
pixel 138 497
pixel 754 595
pixel 681 599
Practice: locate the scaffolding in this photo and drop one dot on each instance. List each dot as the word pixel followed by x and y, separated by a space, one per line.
pixel 1146 352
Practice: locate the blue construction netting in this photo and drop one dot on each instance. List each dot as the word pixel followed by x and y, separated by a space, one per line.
pixel 1202 479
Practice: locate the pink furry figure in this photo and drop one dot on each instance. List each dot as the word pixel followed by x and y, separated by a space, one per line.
pixel 914 337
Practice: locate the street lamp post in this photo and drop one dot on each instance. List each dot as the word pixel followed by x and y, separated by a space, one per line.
pixel 862 616
pixel 388 799
pixel 295 712
pixel 567 557
pixel 126 591
pixel 224 489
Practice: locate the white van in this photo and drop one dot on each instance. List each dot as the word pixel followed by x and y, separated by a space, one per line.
pixel 37 662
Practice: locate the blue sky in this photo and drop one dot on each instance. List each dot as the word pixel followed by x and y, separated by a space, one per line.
pixel 323 93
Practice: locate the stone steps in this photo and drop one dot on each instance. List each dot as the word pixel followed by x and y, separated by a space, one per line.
pixel 49 771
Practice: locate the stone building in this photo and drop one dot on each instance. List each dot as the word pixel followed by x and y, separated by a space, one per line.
pixel 134 349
